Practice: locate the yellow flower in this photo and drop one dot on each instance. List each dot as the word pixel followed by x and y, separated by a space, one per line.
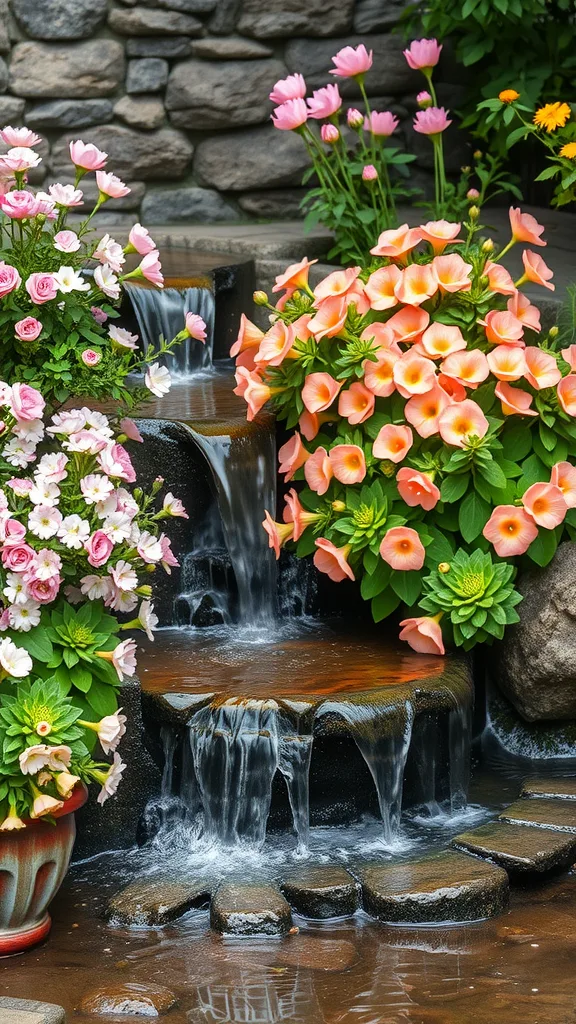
pixel 508 95
pixel 569 150
pixel 552 115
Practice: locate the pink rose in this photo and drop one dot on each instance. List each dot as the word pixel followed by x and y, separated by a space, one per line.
pixel 87 156
pixel 99 548
pixel 28 329
pixel 116 462
pixel 90 357
pixel 44 591
pixel 41 288
pixel 18 558
pixel 19 204
pixel 25 402
pixel 11 532
pixel 110 185
pixel 66 241
pixel 10 279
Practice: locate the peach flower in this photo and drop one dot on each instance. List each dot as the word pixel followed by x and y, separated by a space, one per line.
pixel 295 513
pixel 310 423
pixel 253 390
pixel 566 392
pixel 564 476
pixel 525 227
pixel 414 374
pixel 278 533
pixel 469 368
pixel 452 388
pixel 319 391
pixel 294 278
pixel 396 243
pixel 440 233
pixel 423 634
pixel 511 530
pixel 545 503
pixel 569 354
pixel 524 311
pixel 507 362
pixel 348 463
pixel 249 336
pixel 408 324
pixel 417 489
pixel 275 345
pixel 300 327
pixel 380 287
pixel 514 400
pixel 330 318
pixel 542 369
pixel 379 376
pixel 318 471
pixel 424 411
pixel 339 282
pixel 452 273
pixel 503 328
pixel 332 560
pixel 499 279
pixel 462 420
pixel 440 340
pixel 356 404
pixel 292 456
pixel 417 284
pixel 402 549
pixel 535 270
pixel 392 442
pixel 383 337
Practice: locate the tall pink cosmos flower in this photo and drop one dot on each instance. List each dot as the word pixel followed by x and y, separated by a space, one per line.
pixel 423 634
pixel 291 456
pixel 291 88
pixel 525 227
pixel 19 137
pixel 511 530
pixel 424 411
pixel 351 62
pixel 563 475
pixel 324 102
pixel 462 420
pixel 332 560
pixel 535 270
pixel 545 503
pixel 432 121
pixel 514 401
pixel 356 404
pixel 392 442
pixel 87 156
pixel 348 463
pixel 151 268
pixel 318 471
pixel 417 488
pixel 290 115
pixel 381 123
pixel 423 54
pixel 566 392
pixel 319 391
pixel 402 549
pixel 196 327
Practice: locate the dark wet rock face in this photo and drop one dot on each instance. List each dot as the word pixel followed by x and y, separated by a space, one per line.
pixel 519 848
pixel 322 892
pixel 250 910
pixel 555 814
pixel 129 1000
pixel 156 901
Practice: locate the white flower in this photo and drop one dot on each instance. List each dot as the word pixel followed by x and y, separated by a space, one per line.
pixel 111 729
pixel 122 601
pixel 112 779
pixel 149 547
pixel 110 251
pixel 174 507
pixel 19 453
pixel 29 430
pixel 44 804
pixel 123 658
pixel 24 616
pixel 11 823
pixel 158 380
pixel 67 422
pixel 123 338
pixel 126 503
pixel 124 575
pixel 74 531
pixel 87 441
pixel 117 526
pixel 52 467
pixel 95 487
pixel 148 620
pixel 47 564
pixel 63 195
pixel 34 759
pixel 68 280
pixel 59 757
pixel 97 587
pixel 43 492
pixel 44 521
pixel 65 783
pixel 107 281
pixel 14 660
pixel 107 507
pixel 98 421
pixel 15 590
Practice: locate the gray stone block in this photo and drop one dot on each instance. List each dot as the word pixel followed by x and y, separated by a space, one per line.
pixel 253 159
pixel 11 109
pixel 225 17
pixel 30 1011
pixel 274 204
pixel 196 205
pixel 234 48
pixel 185 6
pixel 149 74
pixel 177 46
pixel 145 112
pixel 59 19
pixel 210 94
pixel 376 15
pixel 68 114
pixel 250 910
pixel 143 21
pixel 3 75
pixel 279 18
pixel 162 154
pixel 87 70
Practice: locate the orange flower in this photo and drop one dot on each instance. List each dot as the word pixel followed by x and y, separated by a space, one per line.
pixel 545 503
pixel 417 489
pixel 330 318
pixel 339 282
pixel 499 279
pixel 348 463
pixel 507 362
pixel 462 420
pixel 566 392
pixel 253 390
pixel 452 273
pixel 278 533
pixel 469 368
pixel 552 116
pixel 249 336
pixel 569 151
pixel 397 242
pixel 379 376
pixel 417 284
pixel 392 442
pixel 564 476
pixel 511 530
pixel 536 270
pixel 310 423
pixel 332 560
pixel 294 278
pixel 440 233
pixel 503 328
pixel 319 391
pixel 524 311
pixel 383 336
pixel 569 354
pixel 452 388
pixel 508 95
pixel 318 471
pixel 275 345
pixel 424 411
pixel 296 514
pixel 440 340
pixel 409 323
pixel 542 369
pixel 402 549
pixel 380 287
pixel 514 400
pixel 413 374
pixel 356 404
pixel 291 456
pixel 300 327
pixel 423 634
pixel 525 227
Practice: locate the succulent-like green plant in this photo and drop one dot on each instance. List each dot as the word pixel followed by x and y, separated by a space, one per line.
pixel 476 594
pixel 34 714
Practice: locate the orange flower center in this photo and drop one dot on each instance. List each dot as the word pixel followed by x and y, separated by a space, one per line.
pixel 511 526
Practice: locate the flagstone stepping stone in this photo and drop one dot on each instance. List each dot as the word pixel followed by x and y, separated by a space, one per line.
pixel 129 999
pixel 322 892
pixel 250 910
pixel 544 812
pixel 441 887
pixel 30 1011
pixel 519 848
pixel 562 789
pixel 156 901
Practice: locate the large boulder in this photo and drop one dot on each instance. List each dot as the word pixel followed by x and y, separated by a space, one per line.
pixel 389 74
pixel 59 19
pixel 162 154
pixel 535 665
pixel 217 94
pixel 279 18
pixel 254 159
pixel 84 71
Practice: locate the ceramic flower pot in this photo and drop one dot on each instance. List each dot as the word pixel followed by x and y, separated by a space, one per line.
pixel 33 863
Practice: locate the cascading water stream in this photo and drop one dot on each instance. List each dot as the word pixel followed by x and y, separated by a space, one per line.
pixel 162 313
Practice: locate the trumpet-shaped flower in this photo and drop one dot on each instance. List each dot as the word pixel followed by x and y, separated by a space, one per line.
pixel 383 337
pixel 524 311
pixel 332 560
pixel 319 391
pixel 278 533
pixel 423 634
pixel 292 456
pixel 296 514
pixel 392 442
pixel 455 391
pixel 348 463
pixel 461 421
pixel 511 530
pixel 440 233
pixel 499 279
pixel 402 549
pixel 525 227
pixel 356 404
pixel 417 284
pixel 330 317
pixel 546 504
pixel 318 471
pixel 503 328
pixel 249 336
pixel 441 340
pixel 424 411
pixel 452 272
pixel 541 369
pixel 514 400
pixel 470 368
pixel 379 376
pixel 507 362
pixel 417 488
pixel 409 324
pixel 563 475
pixel 566 392
pixel 396 243
pixel 413 374
pixel 341 283
pixel 275 345
pixel 294 278
pixel 380 287
pixel 535 269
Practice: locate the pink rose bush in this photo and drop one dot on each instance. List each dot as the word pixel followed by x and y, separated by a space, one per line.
pixel 77 547
pixel 432 426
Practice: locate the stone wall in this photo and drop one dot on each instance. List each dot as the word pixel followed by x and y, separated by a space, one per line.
pixel 176 92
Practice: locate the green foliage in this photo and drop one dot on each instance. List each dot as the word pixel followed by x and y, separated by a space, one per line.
pixel 25 715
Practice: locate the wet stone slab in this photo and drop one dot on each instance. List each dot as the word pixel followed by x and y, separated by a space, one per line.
pixel 519 848
pixel 30 1011
pixel 544 812
pixel 250 910
pixel 156 901
pixel 322 892
pixel 442 887
pixel 562 789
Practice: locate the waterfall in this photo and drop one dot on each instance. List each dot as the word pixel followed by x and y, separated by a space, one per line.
pixel 459 738
pixel 163 312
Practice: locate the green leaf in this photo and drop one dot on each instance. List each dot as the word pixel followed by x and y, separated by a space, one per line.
pixel 473 515
pixel 543 549
pixel 492 474
pixel 36 642
pixel 102 699
pixel 454 487
pixel 408 586
pixel 81 678
pixel 377 582
pixel 516 443
pixel 384 604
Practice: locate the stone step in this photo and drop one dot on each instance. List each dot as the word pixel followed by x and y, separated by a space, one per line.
pixel 544 812
pixel 441 887
pixel 559 789
pixel 157 900
pixel 250 910
pixel 519 848
pixel 30 1011
pixel 322 892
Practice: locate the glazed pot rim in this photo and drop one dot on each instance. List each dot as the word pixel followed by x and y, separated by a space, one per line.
pixel 74 803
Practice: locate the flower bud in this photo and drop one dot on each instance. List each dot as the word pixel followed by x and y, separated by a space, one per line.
pixel 329 134
pixel 424 100
pixel 477 154
pixel 472 193
pixel 354 118
pixel 260 298
pixel 43 728
pixel 369 173
pixel 338 506
pixel 466 169
pixel 474 213
pixel 444 567
pixel 157 484
pixel 144 591
pixel 488 246
pixel 553 332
